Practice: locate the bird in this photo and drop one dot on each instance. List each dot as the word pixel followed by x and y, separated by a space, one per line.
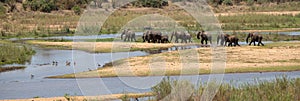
pixel 32 76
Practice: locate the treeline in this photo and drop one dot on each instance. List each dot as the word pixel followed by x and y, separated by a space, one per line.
pixel 150 3
pixel 76 5
pixel 46 5
pixel 248 2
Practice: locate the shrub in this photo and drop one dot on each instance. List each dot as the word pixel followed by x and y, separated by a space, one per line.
pixel 228 2
pixel 250 2
pixel 76 10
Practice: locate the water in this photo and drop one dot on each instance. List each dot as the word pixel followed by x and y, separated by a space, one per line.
pixel 18 84
pixel 105 36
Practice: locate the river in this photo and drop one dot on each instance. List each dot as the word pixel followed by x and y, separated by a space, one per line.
pixel 19 84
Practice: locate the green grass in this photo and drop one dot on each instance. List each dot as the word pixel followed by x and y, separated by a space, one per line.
pixel 260 6
pixel 259 22
pixel 11 53
pixel 280 89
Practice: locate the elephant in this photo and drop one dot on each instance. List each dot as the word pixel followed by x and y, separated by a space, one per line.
pixel 183 36
pixel 255 37
pixel 204 37
pixel 165 39
pixel 152 36
pixel 221 39
pixel 129 35
pixel 232 40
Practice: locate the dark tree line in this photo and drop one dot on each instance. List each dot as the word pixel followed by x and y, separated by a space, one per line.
pixel 249 2
pixel 150 3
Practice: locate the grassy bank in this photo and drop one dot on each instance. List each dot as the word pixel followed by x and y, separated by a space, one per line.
pixel 38 24
pixel 6 69
pixel 259 22
pixel 276 57
pixel 14 53
pixel 282 88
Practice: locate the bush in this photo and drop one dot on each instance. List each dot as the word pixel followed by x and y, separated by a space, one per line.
pixel 150 3
pixel 76 10
pixel 228 2
pixel 250 2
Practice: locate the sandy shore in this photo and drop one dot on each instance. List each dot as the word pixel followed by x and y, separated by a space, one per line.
pixel 88 98
pixel 104 47
pixel 274 57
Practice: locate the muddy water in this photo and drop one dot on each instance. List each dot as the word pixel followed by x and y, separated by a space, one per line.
pixel 19 84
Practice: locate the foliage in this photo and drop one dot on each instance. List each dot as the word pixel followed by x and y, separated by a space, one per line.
pixel 12 53
pixel 228 2
pixel 76 10
pixel 150 3
pixel 282 88
pixel 258 22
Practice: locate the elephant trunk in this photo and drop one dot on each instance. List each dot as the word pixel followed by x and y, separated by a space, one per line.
pixel 218 39
pixel 172 36
pixel 122 36
pixel 198 35
pixel 248 38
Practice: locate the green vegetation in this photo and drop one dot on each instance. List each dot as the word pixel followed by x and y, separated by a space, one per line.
pixel 150 3
pixel 6 69
pixel 2 11
pixel 259 22
pixel 13 53
pixel 65 15
pixel 282 88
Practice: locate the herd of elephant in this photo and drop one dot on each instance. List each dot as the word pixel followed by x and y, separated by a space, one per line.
pixel 152 36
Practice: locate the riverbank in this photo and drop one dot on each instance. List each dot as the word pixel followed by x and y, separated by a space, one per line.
pixel 6 69
pixel 57 23
pixel 282 88
pixel 275 57
pixel 11 53
pixel 89 98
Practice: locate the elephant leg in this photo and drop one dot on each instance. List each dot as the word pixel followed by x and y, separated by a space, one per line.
pixel 250 43
pixel 202 41
pixel 125 38
pixel 262 43
pixel 205 42
pixel 254 43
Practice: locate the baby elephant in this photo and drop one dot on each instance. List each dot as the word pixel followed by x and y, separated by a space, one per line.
pixel 232 40
pixel 165 39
